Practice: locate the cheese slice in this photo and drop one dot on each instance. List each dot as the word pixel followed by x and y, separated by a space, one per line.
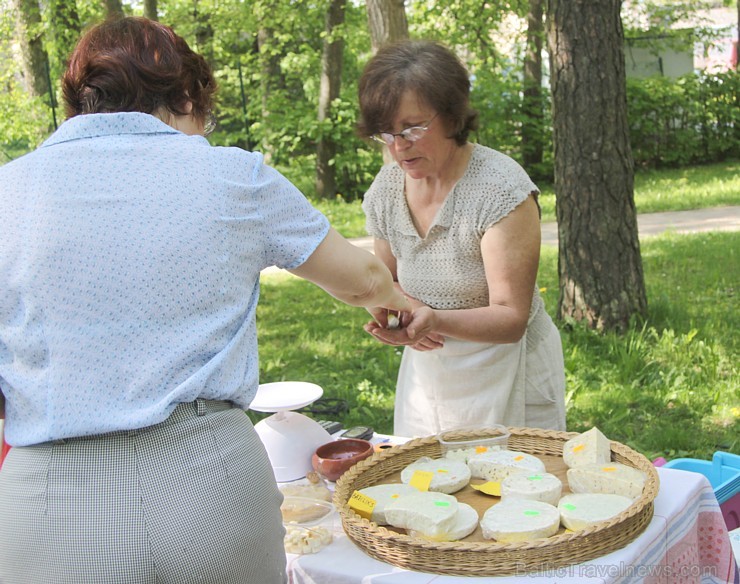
pixel 448 475
pixel 432 514
pixel 610 478
pixel 496 466
pixel 518 520
pixel 383 495
pixel 580 511
pixel 590 447
pixel 543 487
pixel 466 520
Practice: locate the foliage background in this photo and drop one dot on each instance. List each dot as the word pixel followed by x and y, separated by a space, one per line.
pixel 268 97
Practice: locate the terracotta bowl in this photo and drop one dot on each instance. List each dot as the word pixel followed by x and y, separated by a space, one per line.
pixel 333 458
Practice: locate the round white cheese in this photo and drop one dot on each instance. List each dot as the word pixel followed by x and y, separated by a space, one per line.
pixel 448 475
pixel 466 520
pixel 383 495
pixel 611 478
pixel 519 520
pixel 543 487
pixel 496 466
pixel 432 514
pixel 579 511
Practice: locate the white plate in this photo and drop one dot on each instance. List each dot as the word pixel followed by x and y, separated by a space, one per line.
pixel 285 395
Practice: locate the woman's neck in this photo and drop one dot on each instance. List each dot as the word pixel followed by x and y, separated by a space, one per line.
pixel 437 186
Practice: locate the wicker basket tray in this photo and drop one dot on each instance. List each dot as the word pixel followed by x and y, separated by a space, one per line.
pixel 489 558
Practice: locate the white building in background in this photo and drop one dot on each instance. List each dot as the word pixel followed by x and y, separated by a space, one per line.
pixel 674 58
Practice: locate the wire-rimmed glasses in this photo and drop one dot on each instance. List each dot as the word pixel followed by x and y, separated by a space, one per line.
pixel 409 134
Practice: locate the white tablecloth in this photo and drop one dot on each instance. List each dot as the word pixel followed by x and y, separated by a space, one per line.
pixel 686 542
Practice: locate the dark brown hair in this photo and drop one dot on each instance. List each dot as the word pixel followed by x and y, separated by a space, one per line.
pixel 427 68
pixel 134 64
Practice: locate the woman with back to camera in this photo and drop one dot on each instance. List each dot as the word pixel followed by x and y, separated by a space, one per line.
pixel 130 257
pixel 458 225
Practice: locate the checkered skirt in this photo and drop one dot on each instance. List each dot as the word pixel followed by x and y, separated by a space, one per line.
pixel 192 499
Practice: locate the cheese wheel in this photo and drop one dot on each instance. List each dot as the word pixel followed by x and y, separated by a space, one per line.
pixel 432 514
pixel 543 487
pixel 612 478
pixel 518 520
pixel 466 520
pixel 496 466
pixel 448 475
pixel 579 511
pixel 383 495
pixel 467 453
pixel 590 447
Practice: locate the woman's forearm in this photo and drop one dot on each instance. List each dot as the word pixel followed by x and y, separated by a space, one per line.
pixel 351 274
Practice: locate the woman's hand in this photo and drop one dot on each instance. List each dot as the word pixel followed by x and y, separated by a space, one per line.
pixel 416 329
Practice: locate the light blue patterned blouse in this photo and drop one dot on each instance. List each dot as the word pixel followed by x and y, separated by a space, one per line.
pixel 130 257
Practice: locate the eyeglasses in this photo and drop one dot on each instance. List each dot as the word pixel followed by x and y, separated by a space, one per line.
pixel 409 134
pixel 209 124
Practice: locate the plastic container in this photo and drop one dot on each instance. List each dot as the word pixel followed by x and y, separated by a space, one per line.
pixel 309 524
pixel 458 443
pixel 723 473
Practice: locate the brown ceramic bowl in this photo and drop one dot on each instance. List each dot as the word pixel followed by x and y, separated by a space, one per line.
pixel 333 458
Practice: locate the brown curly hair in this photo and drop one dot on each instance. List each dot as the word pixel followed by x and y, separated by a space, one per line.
pixel 427 68
pixel 134 64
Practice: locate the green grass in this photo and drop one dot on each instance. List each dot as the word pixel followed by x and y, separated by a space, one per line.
pixel 668 387
pixel 695 187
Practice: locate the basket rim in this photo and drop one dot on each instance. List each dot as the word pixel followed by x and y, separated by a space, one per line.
pixel 350 517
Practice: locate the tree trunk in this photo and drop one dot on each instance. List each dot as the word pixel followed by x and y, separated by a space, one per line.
pixel 331 80
pixel 386 21
pixel 533 131
pixel 599 264
pixel 270 78
pixel 151 10
pixel 113 8
pixel 66 30
pixel 34 60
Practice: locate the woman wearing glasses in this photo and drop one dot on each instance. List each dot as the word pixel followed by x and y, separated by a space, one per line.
pixel 458 226
pixel 130 258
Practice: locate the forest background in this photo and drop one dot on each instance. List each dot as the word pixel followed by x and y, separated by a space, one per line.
pixel 666 385
pixel 269 57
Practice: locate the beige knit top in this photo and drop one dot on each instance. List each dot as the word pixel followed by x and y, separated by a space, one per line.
pixel 445 269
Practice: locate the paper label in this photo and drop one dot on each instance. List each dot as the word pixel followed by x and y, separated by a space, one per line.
pixel 421 480
pixel 489 488
pixel 362 504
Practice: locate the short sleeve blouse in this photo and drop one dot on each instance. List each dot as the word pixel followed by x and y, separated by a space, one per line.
pixel 445 268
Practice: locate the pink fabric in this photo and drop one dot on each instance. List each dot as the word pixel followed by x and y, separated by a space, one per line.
pixel 3 452
pixel 704 551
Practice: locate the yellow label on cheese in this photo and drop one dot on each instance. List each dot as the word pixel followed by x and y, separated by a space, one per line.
pixel 421 479
pixel 481 449
pixel 362 504
pixel 489 488
pixel 609 468
pixel 578 448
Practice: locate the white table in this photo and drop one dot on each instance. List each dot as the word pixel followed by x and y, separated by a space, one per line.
pixel 686 541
